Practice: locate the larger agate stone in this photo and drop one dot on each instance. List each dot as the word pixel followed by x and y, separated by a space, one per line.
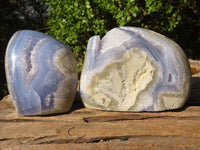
pixel 41 73
pixel 134 69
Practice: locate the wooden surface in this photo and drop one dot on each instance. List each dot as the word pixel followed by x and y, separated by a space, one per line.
pixel 84 128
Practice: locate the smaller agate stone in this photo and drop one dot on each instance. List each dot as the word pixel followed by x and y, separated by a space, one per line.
pixel 41 73
pixel 134 69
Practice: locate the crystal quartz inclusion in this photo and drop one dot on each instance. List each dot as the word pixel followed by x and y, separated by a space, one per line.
pixel 134 69
pixel 41 73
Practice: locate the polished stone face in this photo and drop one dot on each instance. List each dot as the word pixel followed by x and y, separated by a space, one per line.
pixel 41 73
pixel 134 69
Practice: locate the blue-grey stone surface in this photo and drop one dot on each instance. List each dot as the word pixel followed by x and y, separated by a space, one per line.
pixel 41 73
pixel 134 69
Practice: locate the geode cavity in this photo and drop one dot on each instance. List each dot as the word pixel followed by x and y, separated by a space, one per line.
pixel 41 73
pixel 134 69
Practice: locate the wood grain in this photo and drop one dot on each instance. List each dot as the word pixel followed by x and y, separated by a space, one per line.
pixel 84 128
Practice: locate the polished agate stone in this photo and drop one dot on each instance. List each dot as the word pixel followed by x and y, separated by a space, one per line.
pixel 134 69
pixel 41 73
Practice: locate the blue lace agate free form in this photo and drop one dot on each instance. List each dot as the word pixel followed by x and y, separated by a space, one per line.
pixel 41 73
pixel 134 69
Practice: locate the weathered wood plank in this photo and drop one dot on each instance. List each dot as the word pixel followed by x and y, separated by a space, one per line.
pixel 194 66
pixel 84 128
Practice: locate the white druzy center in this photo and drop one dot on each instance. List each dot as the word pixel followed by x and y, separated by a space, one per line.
pixel 121 81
